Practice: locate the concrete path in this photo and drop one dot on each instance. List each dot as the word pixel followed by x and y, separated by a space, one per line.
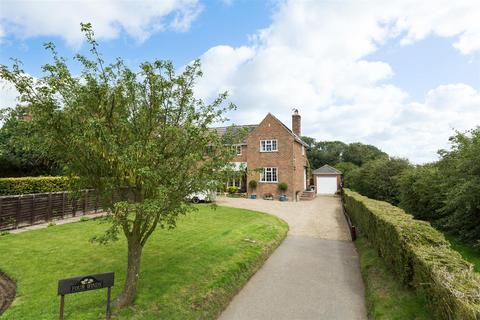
pixel 314 273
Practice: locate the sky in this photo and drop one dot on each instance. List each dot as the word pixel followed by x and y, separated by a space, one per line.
pixel 401 75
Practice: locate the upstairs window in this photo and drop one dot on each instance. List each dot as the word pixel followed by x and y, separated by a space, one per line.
pixel 237 150
pixel 268 145
pixel 269 175
pixel 303 150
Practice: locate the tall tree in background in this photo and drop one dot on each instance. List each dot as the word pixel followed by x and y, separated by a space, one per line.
pixel 143 132
pixel 359 153
pixel 21 151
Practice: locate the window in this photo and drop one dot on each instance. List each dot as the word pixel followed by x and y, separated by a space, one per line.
pixel 268 145
pixel 235 183
pixel 269 175
pixel 237 150
pixel 303 150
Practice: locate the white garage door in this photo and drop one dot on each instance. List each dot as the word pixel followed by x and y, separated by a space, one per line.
pixel 326 185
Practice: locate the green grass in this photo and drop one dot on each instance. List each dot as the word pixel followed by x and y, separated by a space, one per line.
pixel 190 272
pixel 468 252
pixel 387 298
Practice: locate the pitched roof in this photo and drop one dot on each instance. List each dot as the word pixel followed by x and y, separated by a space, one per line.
pixel 326 169
pixel 297 138
pixel 221 131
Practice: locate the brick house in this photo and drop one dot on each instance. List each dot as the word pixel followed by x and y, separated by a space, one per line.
pixel 272 153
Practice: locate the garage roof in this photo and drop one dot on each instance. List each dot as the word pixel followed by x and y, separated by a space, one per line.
pixel 326 169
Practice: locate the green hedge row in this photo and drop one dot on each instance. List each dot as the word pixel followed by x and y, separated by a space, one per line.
pixel 26 185
pixel 419 255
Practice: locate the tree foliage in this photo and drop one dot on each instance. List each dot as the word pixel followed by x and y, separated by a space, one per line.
pixel 21 151
pixel 141 133
pixel 421 191
pixel 377 179
pixel 359 153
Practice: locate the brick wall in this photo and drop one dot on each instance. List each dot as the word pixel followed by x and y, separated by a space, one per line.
pixel 288 160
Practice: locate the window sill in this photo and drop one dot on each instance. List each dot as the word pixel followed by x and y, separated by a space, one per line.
pixel 268 182
pixel 268 151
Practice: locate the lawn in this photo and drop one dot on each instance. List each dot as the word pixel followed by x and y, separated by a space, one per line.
pixel 387 298
pixel 190 272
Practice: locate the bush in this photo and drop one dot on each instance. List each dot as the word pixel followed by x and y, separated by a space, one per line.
pixel 232 190
pixel 283 186
pixel 26 185
pixel 419 255
pixel 252 184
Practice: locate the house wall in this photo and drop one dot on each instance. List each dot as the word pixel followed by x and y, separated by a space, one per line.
pixel 288 159
pixel 243 156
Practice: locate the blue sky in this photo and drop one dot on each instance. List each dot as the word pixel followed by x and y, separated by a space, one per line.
pixel 401 75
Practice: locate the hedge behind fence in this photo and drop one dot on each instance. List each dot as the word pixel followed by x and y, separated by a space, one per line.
pixel 26 185
pixel 420 257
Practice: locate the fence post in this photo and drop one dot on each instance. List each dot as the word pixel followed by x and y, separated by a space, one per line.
pixel 49 209
pixel 85 199
pixel 32 210
pixel 63 204
pixel 17 214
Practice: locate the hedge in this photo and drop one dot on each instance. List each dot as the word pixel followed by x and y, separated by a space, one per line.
pixel 419 255
pixel 26 185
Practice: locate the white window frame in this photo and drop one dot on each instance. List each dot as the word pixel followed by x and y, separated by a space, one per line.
pixel 235 183
pixel 273 174
pixel 271 144
pixel 238 149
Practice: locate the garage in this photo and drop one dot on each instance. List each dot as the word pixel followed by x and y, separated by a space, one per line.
pixel 327 180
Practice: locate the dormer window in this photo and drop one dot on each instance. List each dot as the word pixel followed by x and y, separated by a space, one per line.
pixel 268 145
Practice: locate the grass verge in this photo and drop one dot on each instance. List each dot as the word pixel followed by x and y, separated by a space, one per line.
pixel 190 272
pixel 468 252
pixel 386 297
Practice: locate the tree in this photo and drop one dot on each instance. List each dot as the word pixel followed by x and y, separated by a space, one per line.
pixel 377 179
pixel 349 172
pixel 421 192
pixel 460 171
pixel 324 152
pixel 140 134
pixel 359 153
pixel 21 153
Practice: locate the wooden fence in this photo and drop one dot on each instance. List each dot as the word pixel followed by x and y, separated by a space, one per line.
pixel 24 210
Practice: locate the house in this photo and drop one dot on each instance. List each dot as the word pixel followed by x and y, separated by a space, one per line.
pixel 272 153
pixel 327 180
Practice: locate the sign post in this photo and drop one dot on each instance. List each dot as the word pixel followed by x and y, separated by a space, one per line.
pixel 86 283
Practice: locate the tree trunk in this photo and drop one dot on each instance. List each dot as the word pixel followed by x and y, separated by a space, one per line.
pixel 133 272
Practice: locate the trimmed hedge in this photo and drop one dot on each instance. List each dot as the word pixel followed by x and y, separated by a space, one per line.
pixel 419 255
pixel 26 185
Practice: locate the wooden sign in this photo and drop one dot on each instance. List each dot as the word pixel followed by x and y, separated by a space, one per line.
pixel 85 283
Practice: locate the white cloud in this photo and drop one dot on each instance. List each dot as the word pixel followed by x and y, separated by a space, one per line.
pixel 8 95
pixel 313 57
pixel 139 19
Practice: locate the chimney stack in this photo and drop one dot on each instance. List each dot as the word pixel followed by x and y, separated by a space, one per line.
pixel 296 123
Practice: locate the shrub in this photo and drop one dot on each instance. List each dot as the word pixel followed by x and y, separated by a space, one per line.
pixel 26 185
pixel 252 184
pixel 419 255
pixel 283 186
pixel 232 190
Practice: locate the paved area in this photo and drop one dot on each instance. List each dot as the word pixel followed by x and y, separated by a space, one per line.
pixel 314 273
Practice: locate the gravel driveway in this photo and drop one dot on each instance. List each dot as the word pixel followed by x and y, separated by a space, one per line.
pixel 319 218
pixel 314 274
